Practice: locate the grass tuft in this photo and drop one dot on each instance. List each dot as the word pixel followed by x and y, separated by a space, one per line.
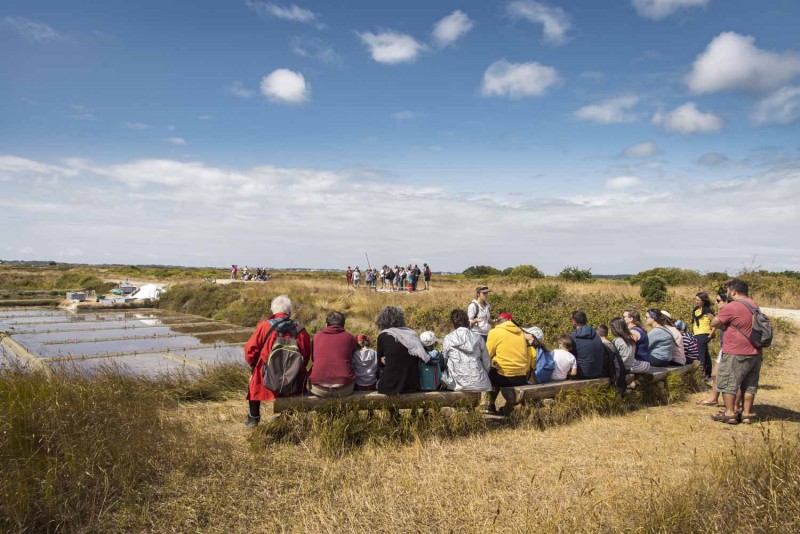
pixel 340 430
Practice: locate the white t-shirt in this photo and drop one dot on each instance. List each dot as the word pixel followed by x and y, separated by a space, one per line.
pixel 474 310
pixel 565 362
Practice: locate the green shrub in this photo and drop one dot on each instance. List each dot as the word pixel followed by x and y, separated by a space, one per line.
pixel 477 271
pixel 525 271
pixel 672 276
pixel 653 289
pixel 575 274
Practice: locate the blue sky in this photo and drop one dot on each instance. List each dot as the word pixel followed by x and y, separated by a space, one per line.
pixel 418 131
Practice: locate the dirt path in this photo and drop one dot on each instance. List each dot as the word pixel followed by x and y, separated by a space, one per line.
pixel 506 480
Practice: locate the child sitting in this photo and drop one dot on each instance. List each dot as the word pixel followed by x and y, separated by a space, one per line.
pixel 690 348
pixel 365 364
pixel 564 359
pixel 430 373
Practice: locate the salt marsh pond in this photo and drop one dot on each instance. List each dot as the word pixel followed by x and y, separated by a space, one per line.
pixel 143 341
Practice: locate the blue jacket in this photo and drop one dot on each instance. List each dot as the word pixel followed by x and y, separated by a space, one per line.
pixel 589 352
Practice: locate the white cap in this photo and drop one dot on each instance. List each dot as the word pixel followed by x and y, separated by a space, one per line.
pixel 428 338
pixel 535 331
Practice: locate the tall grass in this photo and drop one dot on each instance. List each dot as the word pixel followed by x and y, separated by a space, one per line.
pixel 75 449
pixel 754 488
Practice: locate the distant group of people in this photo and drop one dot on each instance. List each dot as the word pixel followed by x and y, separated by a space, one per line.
pixel 397 278
pixel 482 354
pixel 247 275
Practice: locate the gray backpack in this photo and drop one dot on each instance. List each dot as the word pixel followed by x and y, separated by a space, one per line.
pixel 761 335
pixel 283 372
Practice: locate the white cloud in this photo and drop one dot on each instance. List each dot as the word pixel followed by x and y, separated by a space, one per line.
pixel 285 86
pixel 31 29
pixel 292 13
pixel 687 119
pixel 315 48
pixel 733 62
pixel 451 28
pixel 554 20
pixel 164 197
pixel 518 80
pixel 713 159
pixel 136 126
pixel 623 182
pixel 611 111
pixel 238 90
pixel 175 140
pixel 391 47
pixel 81 113
pixel 406 115
pixel 641 150
pixel 13 166
pixel 781 107
pixel 659 9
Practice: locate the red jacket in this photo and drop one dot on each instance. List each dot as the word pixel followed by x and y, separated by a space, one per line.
pixel 333 349
pixel 257 350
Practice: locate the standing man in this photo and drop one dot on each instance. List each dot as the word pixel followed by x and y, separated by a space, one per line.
pixel 426 274
pixel 589 348
pixel 479 312
pixel 349 275
pixel 741 360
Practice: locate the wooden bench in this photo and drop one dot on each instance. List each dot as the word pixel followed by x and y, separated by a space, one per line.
pixel 367 400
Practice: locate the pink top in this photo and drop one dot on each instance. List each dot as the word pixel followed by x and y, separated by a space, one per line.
pixel 738 323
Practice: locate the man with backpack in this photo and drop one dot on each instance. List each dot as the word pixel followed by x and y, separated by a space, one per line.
pixel 747 330
pixel 278 353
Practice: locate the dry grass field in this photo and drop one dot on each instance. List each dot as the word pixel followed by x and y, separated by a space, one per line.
pixel 657 469
pixel 117 454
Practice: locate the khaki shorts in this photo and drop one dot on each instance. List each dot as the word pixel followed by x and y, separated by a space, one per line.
pixel 332 391
pixel 736 371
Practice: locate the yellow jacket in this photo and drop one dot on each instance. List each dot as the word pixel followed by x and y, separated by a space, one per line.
pixel 508 350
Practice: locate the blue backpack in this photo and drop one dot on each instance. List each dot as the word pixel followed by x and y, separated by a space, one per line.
pixel 430 373
pixel 545 365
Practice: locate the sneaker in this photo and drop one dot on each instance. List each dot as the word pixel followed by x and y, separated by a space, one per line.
pixel 490 410
pixel 251 422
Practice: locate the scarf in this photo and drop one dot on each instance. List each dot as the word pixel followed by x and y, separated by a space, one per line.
pixel 410 340
pixel 706 311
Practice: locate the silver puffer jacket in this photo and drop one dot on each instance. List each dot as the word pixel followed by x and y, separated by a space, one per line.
pixel 467 361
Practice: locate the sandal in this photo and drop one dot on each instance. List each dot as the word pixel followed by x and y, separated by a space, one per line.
pixel 748 419
pixel 727 419
pixel 707 402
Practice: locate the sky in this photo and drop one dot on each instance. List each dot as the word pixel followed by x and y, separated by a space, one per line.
pixel 616 136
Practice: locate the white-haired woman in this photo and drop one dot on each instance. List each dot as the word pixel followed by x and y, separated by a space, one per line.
pixel 257 350
pixel 399 352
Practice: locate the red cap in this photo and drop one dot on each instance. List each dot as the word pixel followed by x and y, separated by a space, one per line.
pixel 506 316
pixel 363 337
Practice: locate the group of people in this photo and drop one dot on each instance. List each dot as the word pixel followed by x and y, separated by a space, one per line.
pixel 247 275
pixel 397 278
pixel 482 354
